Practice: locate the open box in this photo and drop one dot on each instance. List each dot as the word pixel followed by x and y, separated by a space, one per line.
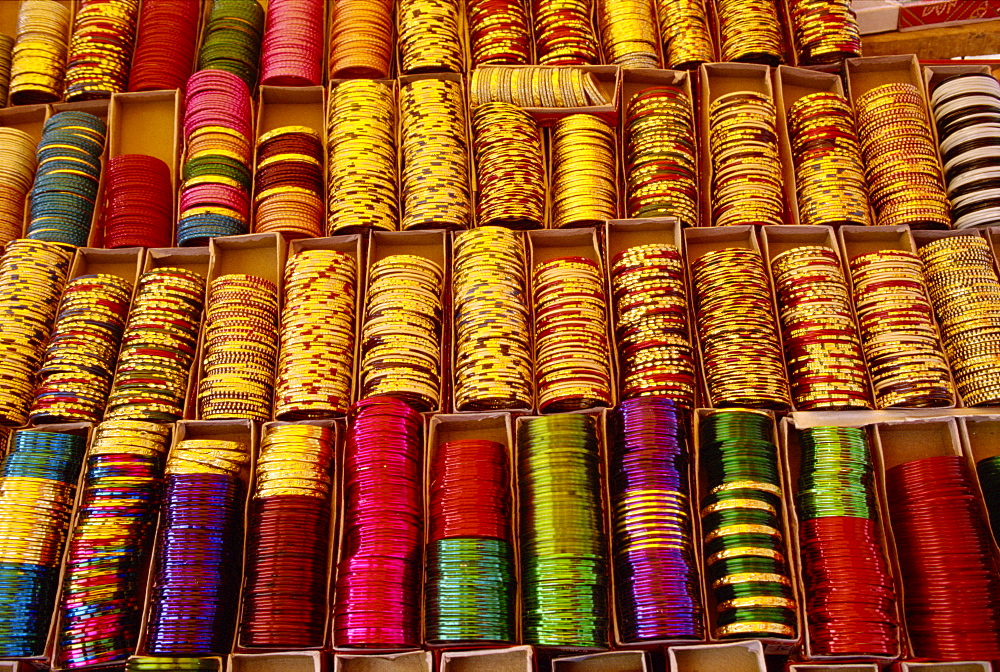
pixel 980 440
pixel 858 240
pixel 718 79
pixel 623 234
pixel 512 659
pixel 413 661
pixel 261 255
pixel 141 577
pixel 791 84
pixel 280 106
pixel 791 455
pixel 702 240
pixel 489 426
pixel 845 667
pixel 292 661
pixel 333 501
pixel 609 661
pixel 551 244
pixel 245 432
pixel 353 246
pixel 733 657
pixel 598 416
pixel 431 245
pixel 634 82
pixel 782 238
pixel 608 79
pixel 771 645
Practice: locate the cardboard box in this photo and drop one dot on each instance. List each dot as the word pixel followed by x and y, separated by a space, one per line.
pixel 333 501
pixel 492 426
pixel 608 79
pixel 857 240
pixel 280 106
pixel 771 645
pixel 780 239
pixel 146 123
pixel 791 455
pixel 734 657
pixel 27 118
pixel 432 245
pixel 847 667
pixel 125 263
pixel 352 245
pixel 610 661
pixel 634 81
pixel 917 14
pixel 791 84
pixel 293 661
pixel 556 243
pixel 599 417
pixel 876 16
pixel 981 440
pixel 718 79
pixel 513 659
pixel 971 666
pixel 244 431
pixel 698 242
pixel 414 661
pixel 257 254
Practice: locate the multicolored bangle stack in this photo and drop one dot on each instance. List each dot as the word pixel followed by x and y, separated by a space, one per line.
pixel 564 34
pixel 628 33
pixel 158 348
pixel 498 32
pixel 429 36
pixel 79 365
pixel 38 478
pixel 288 183
pixel 200 541
pixel 684 32
pixel 102 595
pixel 824 31
pixel 584 172
pixel 217 174
pixel 750 31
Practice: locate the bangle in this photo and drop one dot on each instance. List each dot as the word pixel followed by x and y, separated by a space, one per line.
pixel 535 87
pixel 138 202
pixel 361 39
pixel 69 172
pixel 905 182
pixel 6 57
pixel 498 32
pixel 17 173
pixel 827 160
pixel 434 155
pixel 510 169
pixel 564 34
pixel 628 33
pixel 661 169
pixel 288 183
pixel 361 145
pixel 824 32
pixel 316 361
pixel 100 49
pixel 584 171
pixel 232 39
pixel 165 45
pixel 687 40
pixel 750 31
pixel 429 36
pixel 38 63
pixel 292 50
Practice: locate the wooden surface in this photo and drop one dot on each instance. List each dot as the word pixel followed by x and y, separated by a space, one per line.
pixel 973 39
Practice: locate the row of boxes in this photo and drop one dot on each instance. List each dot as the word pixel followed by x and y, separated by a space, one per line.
pixel 265 255
pixel 896 437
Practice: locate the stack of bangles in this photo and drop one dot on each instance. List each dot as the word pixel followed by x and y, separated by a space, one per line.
pixel 288 183
pixel 17 173
pixel 498 32
pixel 164 46
pixel 138 202
pixel 361 39
pixel 38 61
pixel 231 39
pixel 292 51
pixel 100 49
pixel 217 174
